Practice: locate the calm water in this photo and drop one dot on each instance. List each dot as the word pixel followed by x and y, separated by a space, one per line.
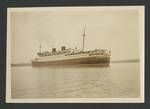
pixel 118 80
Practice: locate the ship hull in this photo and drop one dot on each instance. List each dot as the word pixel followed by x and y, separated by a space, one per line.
pixel 104 61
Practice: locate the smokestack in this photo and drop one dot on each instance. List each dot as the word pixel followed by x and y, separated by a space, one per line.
pixel 63 48
pixel 53 50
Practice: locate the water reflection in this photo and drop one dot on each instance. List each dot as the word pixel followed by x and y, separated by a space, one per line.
pixel 118 80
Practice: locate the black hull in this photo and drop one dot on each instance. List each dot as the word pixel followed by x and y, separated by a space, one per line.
pixel 104 61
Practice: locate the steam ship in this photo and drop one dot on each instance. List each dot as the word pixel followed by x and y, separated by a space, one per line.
pixel 68 56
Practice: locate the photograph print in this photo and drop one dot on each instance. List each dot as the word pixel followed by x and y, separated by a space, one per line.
pixel 91 54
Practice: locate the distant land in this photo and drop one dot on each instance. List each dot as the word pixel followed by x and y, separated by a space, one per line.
pixel 113 61
pixel 125 61
pixel 21 64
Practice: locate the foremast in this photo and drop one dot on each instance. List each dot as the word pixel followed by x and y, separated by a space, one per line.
pixel 83 44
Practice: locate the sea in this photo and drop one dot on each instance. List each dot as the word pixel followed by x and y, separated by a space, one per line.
pixel 119 80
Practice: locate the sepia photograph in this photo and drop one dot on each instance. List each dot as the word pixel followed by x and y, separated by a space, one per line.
pixel 89 54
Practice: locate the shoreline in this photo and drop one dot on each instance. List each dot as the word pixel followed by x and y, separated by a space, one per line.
pixel 119 61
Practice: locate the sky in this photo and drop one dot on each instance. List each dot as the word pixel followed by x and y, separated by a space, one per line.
pixel 112 29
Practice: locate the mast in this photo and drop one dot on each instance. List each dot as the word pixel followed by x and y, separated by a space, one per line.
pixel 40 47
pixel 83 38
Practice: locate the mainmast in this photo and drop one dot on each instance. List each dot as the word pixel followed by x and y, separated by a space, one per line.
pixel 83 38
pixel 40 47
